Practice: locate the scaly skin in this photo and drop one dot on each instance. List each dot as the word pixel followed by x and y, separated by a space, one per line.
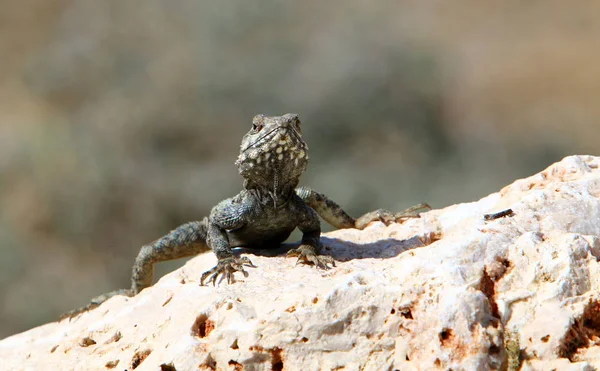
pixel 273 156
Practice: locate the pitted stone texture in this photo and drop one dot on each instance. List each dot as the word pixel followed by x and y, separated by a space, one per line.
pixel 448 290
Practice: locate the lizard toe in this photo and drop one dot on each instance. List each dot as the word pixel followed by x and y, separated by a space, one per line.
pixel 226 268
pixel 306 255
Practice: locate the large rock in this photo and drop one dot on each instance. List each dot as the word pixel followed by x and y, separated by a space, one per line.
pixel 450 290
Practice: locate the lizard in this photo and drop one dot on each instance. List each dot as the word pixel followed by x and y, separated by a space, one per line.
pixel 273 156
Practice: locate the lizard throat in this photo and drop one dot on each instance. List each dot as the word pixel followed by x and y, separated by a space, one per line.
pixel 276 197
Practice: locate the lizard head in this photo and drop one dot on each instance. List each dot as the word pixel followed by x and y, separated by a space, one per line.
pixel 273 154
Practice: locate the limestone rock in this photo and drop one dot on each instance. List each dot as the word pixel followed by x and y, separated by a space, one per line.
pixel 450 290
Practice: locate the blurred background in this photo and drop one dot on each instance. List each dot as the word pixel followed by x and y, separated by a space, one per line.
pixel 120 120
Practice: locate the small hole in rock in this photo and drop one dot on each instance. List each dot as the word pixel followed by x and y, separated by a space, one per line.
pixel 236 366
pixel 202 326
pixel 315 300
pixel 209 363
pixel 545 338
pixel 276 359
pixel 406 313
pixel 53 348
pixel 139 357
pixel 112 364
pixel 113 339
pixel 304 339
pixel 87 341
pixel 393 311
pixel 167 367
pixel 446 336
pixel 235 345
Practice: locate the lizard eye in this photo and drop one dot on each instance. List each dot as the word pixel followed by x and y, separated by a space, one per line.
pixel 257 127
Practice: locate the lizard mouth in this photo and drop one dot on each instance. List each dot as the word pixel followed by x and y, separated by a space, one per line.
pixel 278 136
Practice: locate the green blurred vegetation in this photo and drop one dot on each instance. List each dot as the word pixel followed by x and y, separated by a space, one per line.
pixel 121 120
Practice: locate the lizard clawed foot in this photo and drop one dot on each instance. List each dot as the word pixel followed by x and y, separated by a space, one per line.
pixel 307 254
pixel 387 217
pixel 226 267
pixel 95 302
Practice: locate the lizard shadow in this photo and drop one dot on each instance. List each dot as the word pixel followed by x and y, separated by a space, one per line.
pixel 342 250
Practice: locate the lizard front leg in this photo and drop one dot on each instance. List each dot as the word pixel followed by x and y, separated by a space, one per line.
pixel 337 217
pixel 227 263
pixel 310 247
pixel 229 214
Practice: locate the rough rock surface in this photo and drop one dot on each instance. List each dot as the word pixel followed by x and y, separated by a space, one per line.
pixel 447 291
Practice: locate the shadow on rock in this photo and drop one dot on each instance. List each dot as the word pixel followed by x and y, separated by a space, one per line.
pixel 342 250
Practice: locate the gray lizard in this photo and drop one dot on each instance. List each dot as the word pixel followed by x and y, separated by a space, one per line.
pixel 273 156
